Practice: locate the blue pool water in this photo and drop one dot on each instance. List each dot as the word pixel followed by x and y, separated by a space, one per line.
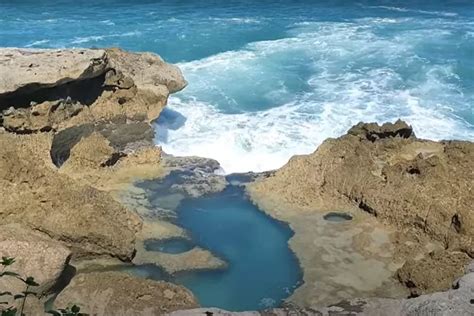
pixel 172 245
pixel 269 79
pixel 262 270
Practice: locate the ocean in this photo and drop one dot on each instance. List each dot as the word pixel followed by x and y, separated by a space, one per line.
pixel 271 79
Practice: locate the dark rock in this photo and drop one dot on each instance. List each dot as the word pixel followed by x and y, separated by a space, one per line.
pixel 373 132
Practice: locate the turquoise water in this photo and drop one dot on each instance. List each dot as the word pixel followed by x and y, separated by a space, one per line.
pixel 172 245
pixel 261 271
pixel 270 79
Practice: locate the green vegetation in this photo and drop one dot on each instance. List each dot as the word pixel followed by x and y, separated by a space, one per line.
pixel 8 300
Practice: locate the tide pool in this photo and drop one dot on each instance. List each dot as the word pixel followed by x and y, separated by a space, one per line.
pixel 262 271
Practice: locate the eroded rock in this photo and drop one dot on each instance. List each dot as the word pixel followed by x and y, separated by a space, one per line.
pixel 35 194
pixel 90 86
pixel 421 188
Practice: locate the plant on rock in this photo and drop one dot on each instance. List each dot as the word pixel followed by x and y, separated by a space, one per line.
pixel 8 300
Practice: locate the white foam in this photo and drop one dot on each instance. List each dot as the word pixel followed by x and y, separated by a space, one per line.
pixel 401 9
pixel 236 20
pixel 345 86
pixel 96 38
pixel 37 43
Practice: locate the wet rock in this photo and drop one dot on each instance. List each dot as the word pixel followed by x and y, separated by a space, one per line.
pixel 115 293
pixel 192 176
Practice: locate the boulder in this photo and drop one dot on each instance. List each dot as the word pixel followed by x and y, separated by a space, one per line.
pixel 116 294
pixel 36 255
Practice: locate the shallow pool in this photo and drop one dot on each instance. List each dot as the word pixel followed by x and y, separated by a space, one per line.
pixel 262 270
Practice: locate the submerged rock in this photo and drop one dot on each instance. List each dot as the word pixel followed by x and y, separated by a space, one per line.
pixel 116 293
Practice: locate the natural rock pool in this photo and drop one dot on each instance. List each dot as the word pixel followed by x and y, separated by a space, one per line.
pixel 262 271
pixel 171 245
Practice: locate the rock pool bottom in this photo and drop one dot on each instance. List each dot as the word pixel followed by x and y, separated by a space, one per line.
pixel 262 271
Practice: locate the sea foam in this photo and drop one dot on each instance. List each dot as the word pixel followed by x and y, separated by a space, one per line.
pixel 307 87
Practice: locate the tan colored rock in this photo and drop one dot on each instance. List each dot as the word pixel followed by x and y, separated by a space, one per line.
pixel 35 194
pixel 435 272
pixel 90 85
pixel 147 70
pixel 29 69
pixel 118 294
pixel 421 189
pixel 36 255
pixel 33 306
pixel 94 162
pixel 91 152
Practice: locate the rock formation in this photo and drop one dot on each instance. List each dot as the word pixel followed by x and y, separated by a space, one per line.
pixel 74 130
pixel 422 189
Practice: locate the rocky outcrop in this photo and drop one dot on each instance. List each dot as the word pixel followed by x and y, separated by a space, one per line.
pixel 115 294
pixel 422 189
pixel 75 130
pixel 74 125
pixel 46 90
pixel 35 194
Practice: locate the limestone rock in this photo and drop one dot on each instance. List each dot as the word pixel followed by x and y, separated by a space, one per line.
pixel 29 69
pixel 36 255
pixel 147 70
pixel 421 188
pixel 373 131
pixel 90 86
pixel 40 117
pixel 116 293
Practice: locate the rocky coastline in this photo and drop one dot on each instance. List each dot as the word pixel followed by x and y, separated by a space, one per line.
pixel 76 136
